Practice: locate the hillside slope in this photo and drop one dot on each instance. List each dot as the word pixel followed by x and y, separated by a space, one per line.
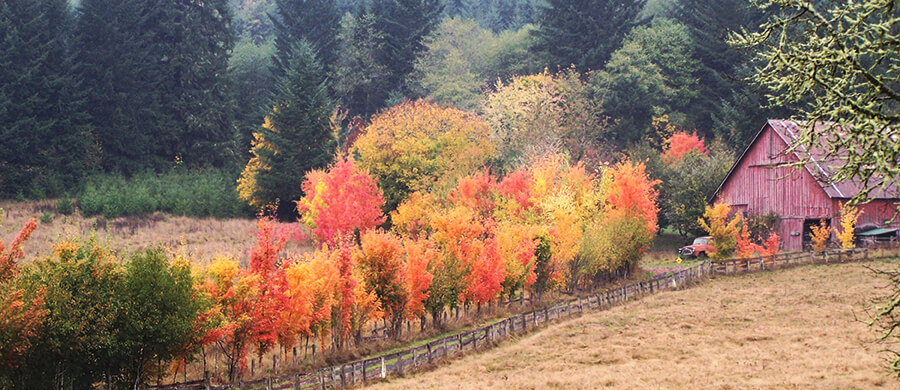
pixel 782 329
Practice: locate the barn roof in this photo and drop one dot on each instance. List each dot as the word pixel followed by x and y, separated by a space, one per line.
pixel 821 166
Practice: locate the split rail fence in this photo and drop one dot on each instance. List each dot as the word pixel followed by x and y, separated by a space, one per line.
pixel 380 367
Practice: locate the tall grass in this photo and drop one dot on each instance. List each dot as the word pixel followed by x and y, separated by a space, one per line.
pixel 194 193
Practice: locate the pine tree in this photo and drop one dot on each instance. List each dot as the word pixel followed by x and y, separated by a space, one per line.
pixel 43 141
pixel 585 33
pixel 316 21
pixel 403 24
pixel 156 80
pixel 295 138
pixel 719 97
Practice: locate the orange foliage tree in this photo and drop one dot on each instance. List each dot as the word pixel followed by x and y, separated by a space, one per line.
pixel 340 201
pixel 723 231
pixel 381 262
pixel 20 316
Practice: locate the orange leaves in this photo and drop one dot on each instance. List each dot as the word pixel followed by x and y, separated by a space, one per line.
pixel 630 191
pixel 419 254
pixel 9 256
pixel 381 262
pixel 339 201
pixel 745 245
pixel 682 143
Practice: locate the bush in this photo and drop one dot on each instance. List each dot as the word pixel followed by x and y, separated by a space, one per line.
pixel 65 206
pixel 201 193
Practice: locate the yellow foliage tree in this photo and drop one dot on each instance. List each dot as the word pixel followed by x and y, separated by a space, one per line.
pixel 819 236
pixel 724 232
pixel 849 216
pixel 419 146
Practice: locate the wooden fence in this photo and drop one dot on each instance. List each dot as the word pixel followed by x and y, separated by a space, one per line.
pixel 409 359
pixel 470 340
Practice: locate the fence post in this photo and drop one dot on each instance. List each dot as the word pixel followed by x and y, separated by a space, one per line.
pixel 383 369
pixel 365 363
pixel 429 353
pixel 297 381
pixel 322 378
pixel 487 334
pixel 269 383
pixel 445 346
pixel 474 341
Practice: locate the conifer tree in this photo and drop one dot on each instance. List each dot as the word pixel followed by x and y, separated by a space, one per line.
pixel 403 24
pixel 584 33
pixel 294 139
pixel 43 140
pixel 156 80
pixel 316 21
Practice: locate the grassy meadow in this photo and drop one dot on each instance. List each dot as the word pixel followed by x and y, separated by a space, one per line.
pixel 795 328
pixel 202 239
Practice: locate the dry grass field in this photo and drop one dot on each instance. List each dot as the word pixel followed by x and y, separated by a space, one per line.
pixel 796 328
pixel 202 238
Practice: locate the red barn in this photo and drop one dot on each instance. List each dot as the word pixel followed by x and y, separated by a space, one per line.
pixel 760 183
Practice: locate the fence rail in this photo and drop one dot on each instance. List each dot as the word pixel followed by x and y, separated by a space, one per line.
pixel 397 363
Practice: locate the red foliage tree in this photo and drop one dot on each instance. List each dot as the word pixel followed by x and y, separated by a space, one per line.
pixel 682 143
pixel 339 201
pixel 517 186
pixel 485 279
pixel 10 255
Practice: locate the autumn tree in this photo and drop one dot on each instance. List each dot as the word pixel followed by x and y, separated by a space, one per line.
pixel 340 201
pixel 420 146
pixel 381 260
pixel 819 236
pixel 21 314
pixel 541 114
pixel 723 231
pixel 682 143
pixel 77 345
pixel 849 216
pixel 419 256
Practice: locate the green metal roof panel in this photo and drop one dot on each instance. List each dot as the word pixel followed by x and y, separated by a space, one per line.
pixel 877 232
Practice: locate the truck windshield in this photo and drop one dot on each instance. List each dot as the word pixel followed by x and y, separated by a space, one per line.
pixel 700 241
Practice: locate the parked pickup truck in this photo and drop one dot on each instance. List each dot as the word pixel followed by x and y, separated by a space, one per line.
pixel 699 249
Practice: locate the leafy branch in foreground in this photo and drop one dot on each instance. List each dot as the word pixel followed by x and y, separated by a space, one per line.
pixel 840 65
pixel 885 317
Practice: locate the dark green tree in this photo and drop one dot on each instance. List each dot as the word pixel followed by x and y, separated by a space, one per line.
pixel 723 104
pixel 584 33
pixel 295 138
pixel 403 25
pixel 360 80
pixel 44 143
pixel 155 78
pixel 250 69
pixel 316 21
